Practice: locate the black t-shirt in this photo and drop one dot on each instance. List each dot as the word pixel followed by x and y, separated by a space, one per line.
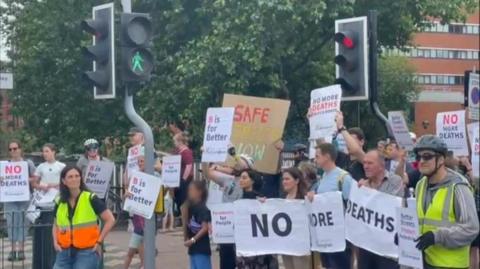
pixel 355 168
pixel 251 195
pixel 198 214
pixel 97 204
pixel 271 185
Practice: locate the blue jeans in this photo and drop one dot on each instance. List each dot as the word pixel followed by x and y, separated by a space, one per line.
pixel 76 259
pixel 16 224
pixel 200 261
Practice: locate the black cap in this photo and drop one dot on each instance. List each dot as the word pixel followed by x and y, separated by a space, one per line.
pixel 135 130
pixel 299 147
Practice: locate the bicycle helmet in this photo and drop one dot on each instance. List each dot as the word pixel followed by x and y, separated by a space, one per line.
pixel 431 142
pixel 248 160
pixel 91 142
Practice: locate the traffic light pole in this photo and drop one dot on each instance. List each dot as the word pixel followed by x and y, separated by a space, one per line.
pixel 372 68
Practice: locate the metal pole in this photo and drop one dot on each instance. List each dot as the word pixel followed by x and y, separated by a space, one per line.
pixel 372 68
pixel 150 229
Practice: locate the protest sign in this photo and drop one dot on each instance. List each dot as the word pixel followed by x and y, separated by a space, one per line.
pixel 324 104
pixel 215 194
pixel 143 189
pixel 45 198
pixel 218 130
pixel 132 158
pixel 327 222
pixel 171 171
pixel 222 223
pixel 258 124
pixel 451 128
pixel 14 185
pixel 400 130
pixel 341 143
pixel 98 177
pixel 474 97
pixel 473 134
pixel 408 231
pixel 372 212
pixel 276 226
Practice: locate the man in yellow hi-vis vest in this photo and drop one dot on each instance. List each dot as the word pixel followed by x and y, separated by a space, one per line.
pixel 445 207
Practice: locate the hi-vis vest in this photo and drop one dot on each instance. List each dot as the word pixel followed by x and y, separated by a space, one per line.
pixel 439 214
pixel 83 232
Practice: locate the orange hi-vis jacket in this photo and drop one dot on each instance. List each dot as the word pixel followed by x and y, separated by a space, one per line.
pixel 83 231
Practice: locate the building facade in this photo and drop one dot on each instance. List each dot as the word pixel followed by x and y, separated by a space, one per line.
pixel 441 55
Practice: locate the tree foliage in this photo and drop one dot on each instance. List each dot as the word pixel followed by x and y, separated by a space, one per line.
pixel 203 49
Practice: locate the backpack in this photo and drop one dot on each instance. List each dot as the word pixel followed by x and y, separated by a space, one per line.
pixel 340 179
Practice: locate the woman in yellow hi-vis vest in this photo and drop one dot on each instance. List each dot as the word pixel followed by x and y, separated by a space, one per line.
pixel 76 232
pixel 445 207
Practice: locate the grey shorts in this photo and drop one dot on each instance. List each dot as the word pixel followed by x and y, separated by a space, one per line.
pixel 135 241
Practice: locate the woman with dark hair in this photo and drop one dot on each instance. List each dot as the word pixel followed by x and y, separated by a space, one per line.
pixel 295 188
pixel 76 232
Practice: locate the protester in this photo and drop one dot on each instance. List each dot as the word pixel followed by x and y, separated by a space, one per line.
pixel 379 179
pixel 445 208
pixel 381 144
pixel 300 154
pixel 186 167
pixel 271 182
pixel 309 172
pixel 333 179
pixel 92 148
pixel 168 219
pixel 135 136
pixel 355 140
pixel 76 234
pixel 294 188
pixel 48 172
pixel 14 211
pixel 196 232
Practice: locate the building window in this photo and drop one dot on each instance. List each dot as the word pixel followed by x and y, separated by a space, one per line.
pixel 437 27
pixel 435 53
pixel 439 79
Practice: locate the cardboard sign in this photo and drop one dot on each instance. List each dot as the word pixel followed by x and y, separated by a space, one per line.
pixel 451 128
pixel 370 212
pixel 14 184
pixel 98 175
pixel 400 130
pixel 276 226
pixel 473 134
pixel 144 189
pixel 132 158
pixel 222 223
pixel 258 124
pixel 324 104
pixel 408 230
pixel 171 171
pixel 474 97
pixel 218 130
pixel 327 222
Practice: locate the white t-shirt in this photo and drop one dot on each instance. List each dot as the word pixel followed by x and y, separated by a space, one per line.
pixel 49 172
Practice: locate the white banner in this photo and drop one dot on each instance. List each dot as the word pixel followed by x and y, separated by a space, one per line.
pixel 451 128
pixel 474 97
pixel 324 104
pixel 144 189
pixel 98 177
pixel 171 171
pixel 473 134
pixel 14 185
pixel 408 230
pixel 370 212
pixel 132 158
pixel 400 129
pixel 218 130
pixel 222 223
pixel 215 194
pixel 276 226
pixel 327 222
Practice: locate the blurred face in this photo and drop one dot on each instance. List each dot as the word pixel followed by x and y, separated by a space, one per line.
pixel 246 183
pixel 320 159
pixel 426 161
pixel 381 146
pixel 48 154
pixel 72 179
pixel 360 142
pixel 136 139
pixel 391 151
pixel 194 194
pixel 141 163
pixel 288 182
pixel 92 151
pixel 372 165
pixel 14 150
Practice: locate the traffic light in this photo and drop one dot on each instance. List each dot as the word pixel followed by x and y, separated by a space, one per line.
pixel 135 40
pixel 351 58
pixel 102 51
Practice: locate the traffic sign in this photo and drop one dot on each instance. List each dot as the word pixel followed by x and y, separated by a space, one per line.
pixel 6 81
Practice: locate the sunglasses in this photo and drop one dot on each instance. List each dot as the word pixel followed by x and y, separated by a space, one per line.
pixel 12 149
pixel 426 157
pixel 92 148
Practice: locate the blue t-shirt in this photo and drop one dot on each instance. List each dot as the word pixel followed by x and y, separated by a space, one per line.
pixel 329 182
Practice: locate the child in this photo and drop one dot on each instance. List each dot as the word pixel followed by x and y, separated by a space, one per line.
pixel 168 203
pixel 196 232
